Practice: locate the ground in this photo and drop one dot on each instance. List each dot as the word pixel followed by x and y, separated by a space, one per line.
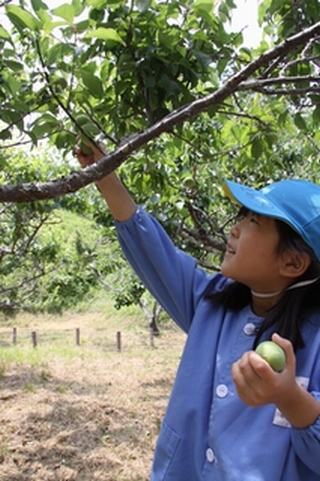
pixel 83 413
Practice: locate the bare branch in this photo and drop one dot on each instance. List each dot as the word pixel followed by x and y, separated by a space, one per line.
pixel 259 83
pixel 297 91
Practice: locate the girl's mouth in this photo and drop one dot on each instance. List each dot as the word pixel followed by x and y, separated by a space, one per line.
pixel 230 250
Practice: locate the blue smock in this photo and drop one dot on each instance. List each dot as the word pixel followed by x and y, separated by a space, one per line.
pixel 208 433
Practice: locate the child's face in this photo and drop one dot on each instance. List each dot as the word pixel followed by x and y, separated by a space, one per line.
pixel 251 256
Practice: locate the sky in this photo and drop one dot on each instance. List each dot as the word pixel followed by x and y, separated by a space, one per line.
pixel 246 17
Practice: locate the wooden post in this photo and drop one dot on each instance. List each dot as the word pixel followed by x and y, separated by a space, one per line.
pixel 34 338
pixel 119 341
pixel 14 335
pixel 151 337
pixel 78 336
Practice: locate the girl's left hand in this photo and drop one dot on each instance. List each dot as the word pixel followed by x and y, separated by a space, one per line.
pixel 258 384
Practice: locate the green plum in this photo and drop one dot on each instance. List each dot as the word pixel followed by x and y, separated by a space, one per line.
pixel 273 354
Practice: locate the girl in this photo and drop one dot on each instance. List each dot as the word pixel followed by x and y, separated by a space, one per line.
pixel 230 417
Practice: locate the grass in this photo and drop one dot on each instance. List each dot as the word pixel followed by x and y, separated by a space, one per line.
pixel 83 412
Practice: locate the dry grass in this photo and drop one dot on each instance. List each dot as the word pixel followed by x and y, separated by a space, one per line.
pixel 83 412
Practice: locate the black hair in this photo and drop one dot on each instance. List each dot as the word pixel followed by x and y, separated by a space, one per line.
pixel 288 314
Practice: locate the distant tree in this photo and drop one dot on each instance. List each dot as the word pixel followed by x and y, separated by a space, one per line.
pixel 38 268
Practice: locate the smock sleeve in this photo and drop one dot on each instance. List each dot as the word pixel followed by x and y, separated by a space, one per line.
pixel 170 275
pixel 306 442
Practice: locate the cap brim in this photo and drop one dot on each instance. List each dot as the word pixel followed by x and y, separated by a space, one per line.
pixel 253 200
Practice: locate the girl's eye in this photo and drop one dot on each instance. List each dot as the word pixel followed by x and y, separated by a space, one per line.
pixel 253 219
pixel 242 214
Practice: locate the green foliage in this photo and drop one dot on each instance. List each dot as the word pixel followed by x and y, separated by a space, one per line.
pixel 122 68
pixel 70 277
pixel 107 70
pixel 42 263
pixel 289 17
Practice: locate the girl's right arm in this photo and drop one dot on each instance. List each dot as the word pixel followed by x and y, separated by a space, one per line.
pixel 169 274
pixel 118 199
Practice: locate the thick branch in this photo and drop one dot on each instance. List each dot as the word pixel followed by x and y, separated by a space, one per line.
pixel 74 182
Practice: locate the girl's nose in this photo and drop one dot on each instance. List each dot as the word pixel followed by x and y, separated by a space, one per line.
pixel 234 231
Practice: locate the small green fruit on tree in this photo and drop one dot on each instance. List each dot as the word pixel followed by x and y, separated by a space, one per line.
pixel 273 354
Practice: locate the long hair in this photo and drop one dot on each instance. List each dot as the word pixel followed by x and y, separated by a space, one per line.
pixel 288 314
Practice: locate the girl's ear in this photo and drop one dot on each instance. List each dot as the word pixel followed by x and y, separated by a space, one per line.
pixel 294 264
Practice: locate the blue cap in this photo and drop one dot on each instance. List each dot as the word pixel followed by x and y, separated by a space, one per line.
pixel 294 201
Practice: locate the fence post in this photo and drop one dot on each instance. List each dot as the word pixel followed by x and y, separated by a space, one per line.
pixel 151 337
pixel 14 335
pixel 34 338
pixel 119 341
pixel 78 336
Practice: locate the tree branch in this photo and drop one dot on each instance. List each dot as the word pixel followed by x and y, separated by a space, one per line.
pixel 259 83
pixel 297 91
pixel 77 180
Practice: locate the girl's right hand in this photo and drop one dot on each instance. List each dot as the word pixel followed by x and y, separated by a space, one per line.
pixel 91 158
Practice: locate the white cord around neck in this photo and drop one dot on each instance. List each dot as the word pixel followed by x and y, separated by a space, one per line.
pixel 266 295
pixel 293 286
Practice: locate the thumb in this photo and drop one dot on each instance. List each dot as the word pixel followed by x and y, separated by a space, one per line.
pixel 286 345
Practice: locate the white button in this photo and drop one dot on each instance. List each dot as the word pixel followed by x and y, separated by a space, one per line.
pixel 222 390
pixel 249 329
pixel 210 455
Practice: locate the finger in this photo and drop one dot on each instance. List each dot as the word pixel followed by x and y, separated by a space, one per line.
pixel 243 387
pixel 243 369
pixel 288 349
pixel 256 369
pixel 238 378
pixel 262 370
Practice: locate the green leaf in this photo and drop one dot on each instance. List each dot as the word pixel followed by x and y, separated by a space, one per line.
pixel 168 39
pixel 316 115
pixel 54 53
pixel 90 129
pixel 93 84
pixel 105 34
pixel 263 8
pixel 65 11
pixel 47 118
pixel 276 5
pixel 49 26
pixel 206 5
pixel 4 34
pixel 21 18
pixel 44 16
pixel 10 116
pixel 282 118
pixel 256 148
pixel 13 65
pixel 99 3
pixel 78 7
pixel 5 134
pixel 38 5
pixel 82 26
pixel 13 84
pixel 204 59
pixel 300 122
